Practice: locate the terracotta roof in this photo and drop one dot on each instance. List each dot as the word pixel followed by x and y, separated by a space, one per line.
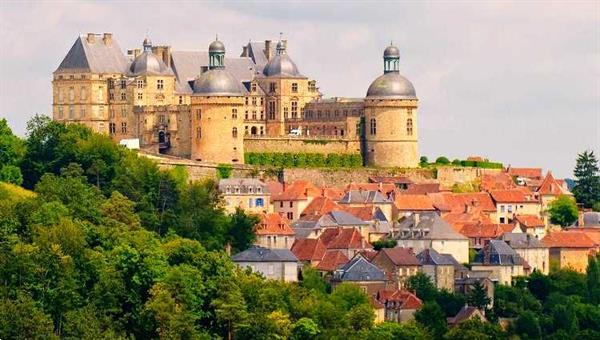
pixel 376 304
pixel 422 188
pixel 568 239
pixel 318 207
pixel 368 254
pixel 275 188
pixel 406 299
pixel 459 219
pixel 297 191
pixel 364 213
pixel 475 158
pixel 332 260
pixel 308 249
pixel 512 196
pixel 401 256
pixel 592 233
pixel 414 203
pixel 551 186
pixel 343 238
pixel 332 193
pixel 486 230
pixel 273 224
pixel 530 221
pixel 533 173
pixel 381 187
pixel 456 202
pixel 499 181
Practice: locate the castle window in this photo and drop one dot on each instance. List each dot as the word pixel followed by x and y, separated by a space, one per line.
pixel 60 112
pixel 140 96
pixel 233 113
pixel 373 126
pixel 253 87
pixel 123 83
pixel 294 87
pixel 72 77
pixel 261 102
pixel 246 100
pixel 234 132
pixel 262 131
pixel 409 126
pixel 271 110
pixel 111 96
pixel 60 77
pixel 161 118
pixel 302 113
pixel 71 112
pixel 160 84
pixel 180 100
pixel 111 84
pixel 82 112
pixel 409 111
pixel 254 101
pixel 112 128
pixel 198 114
pixel 112 113
pixel 318 113
pixel 71 95
pixel 124 127
pixel 337 113
pixel 140 84
pixel 83 94
pixel 253 114
pixel 285 113
pixel 123 96
pixel 294 109
pixel 246 115
pixel 124 112
pixel 272 87
pixel 198 132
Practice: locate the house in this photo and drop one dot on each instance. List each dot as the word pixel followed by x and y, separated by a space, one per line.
pixel 531 224
pixel 309 251
pixel 379 226
pixel 513 202
pixel 274 231
pixel 401 182
pixel 499 258
pixel 398 263
pixel 362 273
pixel 305 226
pixel 465 281
pixel 439 268
pixel 407 204
pixel 400 305
pixel 480 234
pixel 497 181
pixel 332 261
pixel 569 249
pixel 464 314
pixel 428 230
pixel 294 198
pixel 589 219
pixel 357 198
pixel 340 219
pixel 250 194
pixel 347 240
pixel 378 309
pixel 422 188
pixel 447 202
pixel 548 191
pixel 530 249
pixel 274 264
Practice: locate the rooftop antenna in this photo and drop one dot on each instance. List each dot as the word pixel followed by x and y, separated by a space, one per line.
pixel 216 36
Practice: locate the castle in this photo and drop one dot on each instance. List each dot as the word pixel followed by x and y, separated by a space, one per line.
pixel 206 107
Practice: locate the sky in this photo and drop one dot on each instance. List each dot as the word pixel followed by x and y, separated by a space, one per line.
pixel 515 82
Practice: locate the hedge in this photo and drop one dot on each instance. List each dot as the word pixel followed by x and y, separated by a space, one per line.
pixel 303 160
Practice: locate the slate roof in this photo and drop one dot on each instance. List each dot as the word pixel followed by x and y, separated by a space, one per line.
pixel 432 257
pixel 359 269
pixel 261 254
pixel 94 57
pixel 521 241
pixel 364 197
pixel 497 252
pixel 430 227
pixel 400 256
pixel 591 219
pixel 244 184
pixel 256 51
pixel 338 218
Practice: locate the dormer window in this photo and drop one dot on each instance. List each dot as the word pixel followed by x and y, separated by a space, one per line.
pixel 258 190
pixel 160 84
pixel 228 189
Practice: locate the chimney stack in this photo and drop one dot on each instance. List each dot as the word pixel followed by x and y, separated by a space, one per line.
pixel 107 39
pixel 91 38
pixel 268 53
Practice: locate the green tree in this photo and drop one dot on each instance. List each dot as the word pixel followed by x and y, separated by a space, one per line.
pixel 313 281
pixel 240 233
pixel 432 317
pixel 393 330
pixel 563 211
pixel 587 179
pixel 384 243
pixel 422 285
pixel 593 280
pixel 305 329
pixel 477 296
pixel 475 329
pixel 361 317
pixel 11 174
pixel 527 326
pixel 23 319
pixel 423 161
pixel 442 160
pixel 230 308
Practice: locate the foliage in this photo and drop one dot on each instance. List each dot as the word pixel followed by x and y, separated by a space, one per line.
pixel 477 296
pixel 384 243
pixel 432 318
pixel 587 179
pixel 304 160
pixel 224 170
pixel 475 329
pixel 423 161
pixel 422 285
pixel 442 160
pixel 12 149
pixel 563 211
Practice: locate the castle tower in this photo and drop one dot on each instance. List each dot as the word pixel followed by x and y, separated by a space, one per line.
pixel 391 117
pixel 216 105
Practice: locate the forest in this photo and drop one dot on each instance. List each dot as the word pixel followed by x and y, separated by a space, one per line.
pixel 97 242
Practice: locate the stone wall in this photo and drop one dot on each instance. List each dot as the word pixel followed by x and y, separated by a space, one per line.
pixel 302 145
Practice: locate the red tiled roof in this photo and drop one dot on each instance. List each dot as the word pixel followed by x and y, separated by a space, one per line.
pixel 343 238
pixel 368 254
pixel 332 260
pixel 273 224
pixel 459 219
pixel 499 181
pixel 456 202
pixel 533 173
pixel 422 188
pixel 317 208
pixel 568 239
pixel 275 188
pixel 529 221
pixel 401 256
pixel 512 196
pixel 414 202
pixel 334 194
pixel 296 191
pixel 364 213
pixel 387 179
pixel 308 249
pixel 550 186
pixel 475 158
pixel 487 230
pixel 407 299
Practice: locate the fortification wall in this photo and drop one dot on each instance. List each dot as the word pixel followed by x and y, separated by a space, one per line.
pixel 302 145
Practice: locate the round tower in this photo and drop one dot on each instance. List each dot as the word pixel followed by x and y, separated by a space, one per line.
pixel 217 131
pixel 390 129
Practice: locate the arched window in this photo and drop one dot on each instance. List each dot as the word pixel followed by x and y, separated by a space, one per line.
pixel 234 132
pixel 373 126
pixel 409 127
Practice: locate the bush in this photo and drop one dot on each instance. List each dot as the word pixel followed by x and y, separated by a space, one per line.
pixel 301 160
pixel 224 170
pixel 442 160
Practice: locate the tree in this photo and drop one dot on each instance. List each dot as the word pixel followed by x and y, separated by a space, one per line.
pixel 587 179
pixel 432 317
pixel 305 329
pixel 475 329
pixel 563 211
pixel 241 230
pixel 423 161
pixel 422 285
pixel 393 331
pixel 12 150
pixel 11 174
pixel 593 280
pixel 23 319
pixel 230 308
pixel 477 296
pixel 442 160
pixel 384 243
pixel 313 281
pixel 361 317
pixel 527 326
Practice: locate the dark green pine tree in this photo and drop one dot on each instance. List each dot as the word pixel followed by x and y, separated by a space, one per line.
pixel 593 280
pixel 477 296
pixel 587 179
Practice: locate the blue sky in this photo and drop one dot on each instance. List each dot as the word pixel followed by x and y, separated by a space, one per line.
pixel 517 82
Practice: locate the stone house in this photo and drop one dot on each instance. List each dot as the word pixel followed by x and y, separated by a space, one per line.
pixel 358 198
pixel 274 231
pixel 398 263
pixel 480 234
pixel 569 249
pixel 530 249
pixel 439 268
pixel 250 194
pixel 360 272
pixel 294 198
pixel 400 305
pixel 548 191
pixel 531 224
pixel 513 202
pixel 499 258
pixel 274 264
pixel 464 314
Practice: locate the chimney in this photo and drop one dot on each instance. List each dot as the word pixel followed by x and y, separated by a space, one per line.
pixel 417 218
pixel 107 38
pixel 245 51
pixel 91 38
pixel 268 53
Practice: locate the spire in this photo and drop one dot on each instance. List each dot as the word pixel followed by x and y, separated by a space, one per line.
pixel 216 54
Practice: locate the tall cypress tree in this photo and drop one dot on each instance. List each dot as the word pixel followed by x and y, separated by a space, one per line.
pixel 587 179
pixel 593 279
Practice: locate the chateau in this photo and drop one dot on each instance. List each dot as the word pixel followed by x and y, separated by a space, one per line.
pixel 212 108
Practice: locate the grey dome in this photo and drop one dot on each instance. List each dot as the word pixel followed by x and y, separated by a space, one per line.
pixel 216 46
pixel 217 82
pixel 391 51
pixel 281 65
pixel 149 63
pixel 392 85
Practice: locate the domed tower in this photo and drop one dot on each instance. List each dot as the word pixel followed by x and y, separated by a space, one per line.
pixel 391 117
pixel 217 124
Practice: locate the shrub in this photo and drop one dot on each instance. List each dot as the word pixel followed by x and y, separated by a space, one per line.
pixel 224 170
pixel 442 160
